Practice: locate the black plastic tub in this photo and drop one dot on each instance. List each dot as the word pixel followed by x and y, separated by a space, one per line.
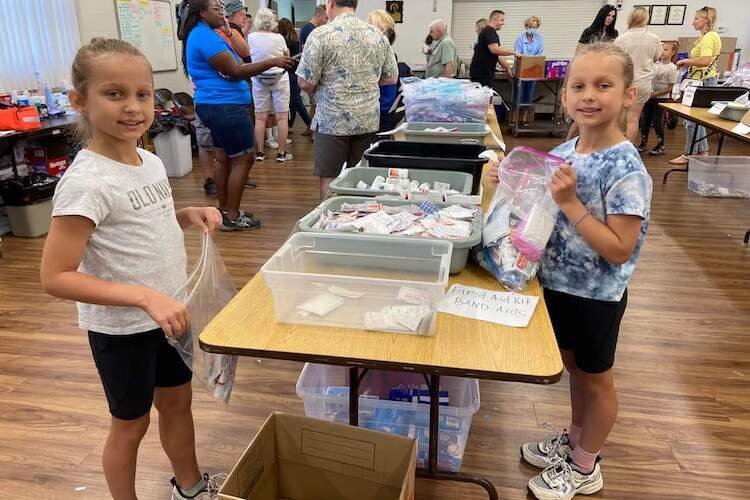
pixel 429 155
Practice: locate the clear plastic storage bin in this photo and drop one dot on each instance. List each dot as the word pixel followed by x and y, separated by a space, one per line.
pixel 720 176
pixel 325 392
pixel 460 247
pixel 347 182
pixel 347 281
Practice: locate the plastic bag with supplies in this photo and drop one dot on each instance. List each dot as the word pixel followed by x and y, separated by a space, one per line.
pixel 205 293
pixel 521 217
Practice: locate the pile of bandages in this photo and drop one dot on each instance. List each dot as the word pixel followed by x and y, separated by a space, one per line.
pixel 426 220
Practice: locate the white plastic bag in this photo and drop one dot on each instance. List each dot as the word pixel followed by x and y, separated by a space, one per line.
pixel 205 293
pixel 521 217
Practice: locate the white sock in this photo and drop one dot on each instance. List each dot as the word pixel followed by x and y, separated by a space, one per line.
pixel 269 133
pixel 275 133
pixel 196 489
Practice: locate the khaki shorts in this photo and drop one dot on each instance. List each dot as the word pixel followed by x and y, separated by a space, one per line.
pixel 331 151
pixel 271 94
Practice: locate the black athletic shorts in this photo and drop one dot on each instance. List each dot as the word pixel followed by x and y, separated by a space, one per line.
pixel 132 366
pixel 587 327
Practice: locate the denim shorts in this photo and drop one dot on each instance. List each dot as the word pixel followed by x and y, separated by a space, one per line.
pixel 230 126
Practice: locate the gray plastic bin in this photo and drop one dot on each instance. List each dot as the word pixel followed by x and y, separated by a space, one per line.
pixel 347 182
pixel 466 133
pixel 460 247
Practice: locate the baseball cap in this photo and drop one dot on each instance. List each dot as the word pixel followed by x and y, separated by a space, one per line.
pixel 233 6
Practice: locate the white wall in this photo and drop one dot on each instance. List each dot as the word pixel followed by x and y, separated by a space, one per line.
pixel 410 35
pixel 733 15
pixel 97 18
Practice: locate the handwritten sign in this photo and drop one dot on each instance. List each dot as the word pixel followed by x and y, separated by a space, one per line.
pixel 717 108
pixel 741 129
pixel 504 308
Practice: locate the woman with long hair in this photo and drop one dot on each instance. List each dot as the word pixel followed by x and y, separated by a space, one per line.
pixel 222 97
pixel 603 27
pixel 286 29
pixel 644 48
pixel 702 66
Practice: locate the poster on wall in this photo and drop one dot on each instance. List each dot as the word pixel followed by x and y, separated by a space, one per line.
pixel 676 16
pixel 658 14
pixel 396 10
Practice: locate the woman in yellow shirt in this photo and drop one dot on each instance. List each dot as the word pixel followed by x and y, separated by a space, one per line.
pixel 702 66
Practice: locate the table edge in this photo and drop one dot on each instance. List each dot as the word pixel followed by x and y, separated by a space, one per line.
pixel 382 365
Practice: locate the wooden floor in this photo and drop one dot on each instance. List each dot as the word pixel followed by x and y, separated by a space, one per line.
pixel 683 365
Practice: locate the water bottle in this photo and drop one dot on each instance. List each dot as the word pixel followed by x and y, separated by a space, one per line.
pixel 49 99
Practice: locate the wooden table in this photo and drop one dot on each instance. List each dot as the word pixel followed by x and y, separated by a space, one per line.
pixel 459 347
pixel 701 116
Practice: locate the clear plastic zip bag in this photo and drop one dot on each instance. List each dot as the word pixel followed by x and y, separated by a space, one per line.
pixel 521 217
pixel 205 293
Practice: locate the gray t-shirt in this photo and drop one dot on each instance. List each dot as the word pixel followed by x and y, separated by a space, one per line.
pixel 137 239
pixel 442 54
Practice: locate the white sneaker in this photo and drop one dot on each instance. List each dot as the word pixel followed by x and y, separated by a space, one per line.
pixel 288 141
pixel 272 144
pixel 546 453
pixel 282 157
pixel 209 492
pixel 564 480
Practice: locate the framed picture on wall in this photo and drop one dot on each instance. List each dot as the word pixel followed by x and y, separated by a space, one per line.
pixel 676 16
pixel 647 7
pixel 659 14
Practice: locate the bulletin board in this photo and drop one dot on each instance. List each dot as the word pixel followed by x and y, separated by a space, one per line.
pixel 148 24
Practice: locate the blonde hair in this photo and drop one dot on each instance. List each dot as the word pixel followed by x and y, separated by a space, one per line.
pixel 382 21
pixel 80 71
pixel 675 48
pixel 529 20
pixel 710 14
pixel 606 49
pixel 638 18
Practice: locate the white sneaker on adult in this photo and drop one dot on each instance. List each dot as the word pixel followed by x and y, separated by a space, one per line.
pixel 565 480
pixel 545 453
pixel 210 490
pixel 272 144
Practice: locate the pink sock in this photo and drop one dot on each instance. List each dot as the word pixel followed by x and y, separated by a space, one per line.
pixel 583 459
pixel 574 434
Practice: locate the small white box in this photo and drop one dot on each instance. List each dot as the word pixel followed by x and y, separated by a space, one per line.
pixel 173 147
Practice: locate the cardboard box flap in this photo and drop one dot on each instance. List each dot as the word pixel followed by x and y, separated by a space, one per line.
pixel 355 452
pixel 255 475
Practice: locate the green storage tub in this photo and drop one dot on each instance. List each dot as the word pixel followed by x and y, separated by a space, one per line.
pixel 460 247
pixel 347 182
pixel 466 133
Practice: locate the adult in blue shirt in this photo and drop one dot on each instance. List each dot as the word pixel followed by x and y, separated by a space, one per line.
pixel 222 99
pixel 529 43
pixel 320 17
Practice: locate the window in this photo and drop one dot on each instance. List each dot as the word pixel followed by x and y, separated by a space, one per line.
pixel 37 37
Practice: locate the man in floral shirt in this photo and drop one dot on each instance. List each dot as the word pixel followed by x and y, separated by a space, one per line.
pixel 343 66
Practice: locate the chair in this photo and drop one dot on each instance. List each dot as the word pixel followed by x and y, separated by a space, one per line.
pixel 185 104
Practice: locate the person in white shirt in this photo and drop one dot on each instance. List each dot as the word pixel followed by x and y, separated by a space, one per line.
pixel 644 48
pixel 271 88
pixel 665 77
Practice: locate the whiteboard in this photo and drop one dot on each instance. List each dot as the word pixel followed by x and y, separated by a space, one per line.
pixel 148 25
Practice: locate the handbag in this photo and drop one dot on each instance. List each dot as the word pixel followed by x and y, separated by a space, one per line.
pixel 20 118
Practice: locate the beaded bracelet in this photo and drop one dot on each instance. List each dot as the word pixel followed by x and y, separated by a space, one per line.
pixel 575 224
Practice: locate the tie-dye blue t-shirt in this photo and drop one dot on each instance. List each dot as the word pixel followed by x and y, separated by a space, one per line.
pixel 610 182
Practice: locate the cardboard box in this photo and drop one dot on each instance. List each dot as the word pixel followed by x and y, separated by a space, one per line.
pixel 726 56
pixel 746 119
pixel 301 458
pixel 530 67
